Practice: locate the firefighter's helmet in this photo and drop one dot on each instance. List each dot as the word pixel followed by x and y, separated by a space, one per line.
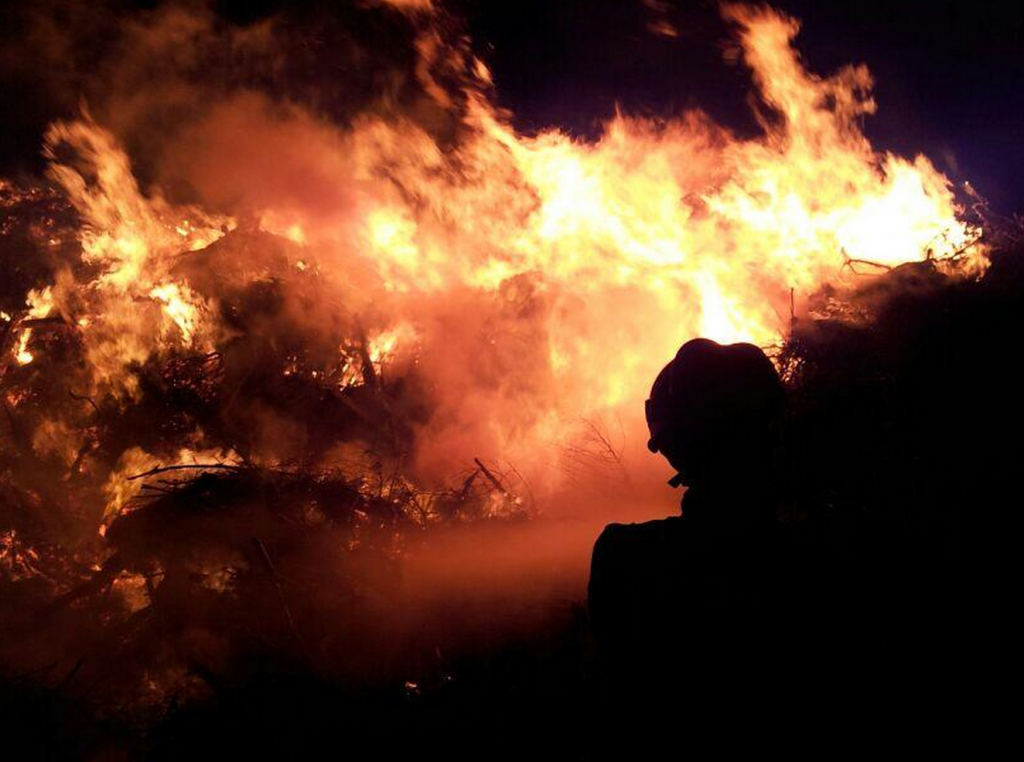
pixel 710 387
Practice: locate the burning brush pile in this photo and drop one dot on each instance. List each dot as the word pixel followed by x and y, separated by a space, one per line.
pixel 244 379
pixel 225 417
pixel 205 465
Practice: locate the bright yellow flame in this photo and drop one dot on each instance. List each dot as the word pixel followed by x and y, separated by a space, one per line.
pixel 385 344
pixel 178 307
pixel 40 303
pixel 40 306
pixel 21 353
pixel 134 240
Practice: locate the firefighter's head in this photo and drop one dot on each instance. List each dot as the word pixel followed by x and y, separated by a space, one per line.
pixel 715 409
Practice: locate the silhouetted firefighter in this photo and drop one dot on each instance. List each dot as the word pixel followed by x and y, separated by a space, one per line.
pixel 696 616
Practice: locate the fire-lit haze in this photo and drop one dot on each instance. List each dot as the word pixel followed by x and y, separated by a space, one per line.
pixel 531 284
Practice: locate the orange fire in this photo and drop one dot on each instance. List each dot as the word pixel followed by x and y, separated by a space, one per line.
pixel 536 281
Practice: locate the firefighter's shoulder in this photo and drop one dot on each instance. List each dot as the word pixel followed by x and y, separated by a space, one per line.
pixel 637 539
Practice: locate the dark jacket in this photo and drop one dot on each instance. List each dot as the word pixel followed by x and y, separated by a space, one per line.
pixel 703 619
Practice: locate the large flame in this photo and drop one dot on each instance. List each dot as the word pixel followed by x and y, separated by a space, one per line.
pixel 535 281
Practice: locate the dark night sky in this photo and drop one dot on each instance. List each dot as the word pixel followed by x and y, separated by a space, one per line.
pixel 949 75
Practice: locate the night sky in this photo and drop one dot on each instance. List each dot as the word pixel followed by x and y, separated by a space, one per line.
pixel 949 75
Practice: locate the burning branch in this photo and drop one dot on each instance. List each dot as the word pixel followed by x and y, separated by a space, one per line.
pixel 186 467
pixel 491 478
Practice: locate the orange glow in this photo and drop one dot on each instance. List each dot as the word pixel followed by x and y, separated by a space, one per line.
pixel 533 280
